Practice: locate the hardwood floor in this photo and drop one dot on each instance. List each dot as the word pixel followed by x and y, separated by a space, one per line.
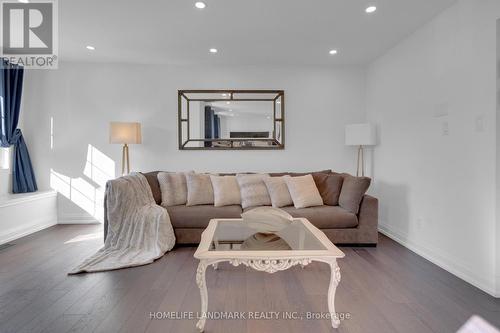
pixel 383 289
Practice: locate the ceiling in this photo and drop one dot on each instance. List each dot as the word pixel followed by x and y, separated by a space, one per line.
pixel 245 32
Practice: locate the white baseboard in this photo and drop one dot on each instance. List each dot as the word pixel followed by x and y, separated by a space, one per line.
pixel 24 214
pixel 65 218
pixel 438 259
pixel 25 231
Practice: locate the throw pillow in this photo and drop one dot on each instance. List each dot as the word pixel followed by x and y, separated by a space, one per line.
pixel 226 191
pixel 200 191
pixel 303 191
pixel 253 190
pixel 295 174
pixel 278 191
pixel 154 185
pixel 353 190
pixel 173 188
pixel 329 187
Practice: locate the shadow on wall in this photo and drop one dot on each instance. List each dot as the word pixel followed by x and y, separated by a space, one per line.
pixel 87 192
pixel 394 212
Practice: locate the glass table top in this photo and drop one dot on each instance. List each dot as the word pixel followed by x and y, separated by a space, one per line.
pixel 235 235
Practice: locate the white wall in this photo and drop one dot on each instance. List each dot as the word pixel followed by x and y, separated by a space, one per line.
pixel 5 170
pixel 498 163
pixel 83 98
pixel 438 190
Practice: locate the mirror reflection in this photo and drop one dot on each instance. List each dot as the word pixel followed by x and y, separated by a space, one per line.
pixel 231 120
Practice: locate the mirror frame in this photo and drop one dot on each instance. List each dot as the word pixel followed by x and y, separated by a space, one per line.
pixel 182 94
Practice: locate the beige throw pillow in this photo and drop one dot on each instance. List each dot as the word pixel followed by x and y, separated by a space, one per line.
pixel 200 191
pixel 173 188
pixel 278 191
pixel 303 191
pixel 226 191
pixel 253 190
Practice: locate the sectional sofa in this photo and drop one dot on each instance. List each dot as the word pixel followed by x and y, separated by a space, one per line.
pixel 340 225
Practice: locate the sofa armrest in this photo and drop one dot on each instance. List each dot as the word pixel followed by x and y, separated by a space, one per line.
pixel 368 220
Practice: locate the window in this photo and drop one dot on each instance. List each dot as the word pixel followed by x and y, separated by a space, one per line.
pixel 4 158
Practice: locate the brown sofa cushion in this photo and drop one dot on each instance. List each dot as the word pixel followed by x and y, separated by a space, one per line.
pixel 199 216
pixel 152 179
pixel 353 190
pixel 325 217
pixel 329 186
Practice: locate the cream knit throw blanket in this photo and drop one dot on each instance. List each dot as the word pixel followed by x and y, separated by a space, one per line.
pixel 139 231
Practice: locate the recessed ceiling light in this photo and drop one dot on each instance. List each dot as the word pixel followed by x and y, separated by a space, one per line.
pixel 332 52
pixel 224 95
pixel 228 103
pixel 213 50
pixel 370 9
pixel 200 5
pixel 90 47
pixel 23 1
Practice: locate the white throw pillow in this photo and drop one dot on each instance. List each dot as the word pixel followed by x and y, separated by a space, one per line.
pixel 199 190
pixel 173 188
pixel 226 191
pixel 278 191
pixel 253 190
pixel 303 191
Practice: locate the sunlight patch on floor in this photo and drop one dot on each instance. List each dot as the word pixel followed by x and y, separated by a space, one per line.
pixel 82 238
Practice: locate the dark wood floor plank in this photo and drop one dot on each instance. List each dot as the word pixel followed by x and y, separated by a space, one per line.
pixel 387 288
pixel 156 282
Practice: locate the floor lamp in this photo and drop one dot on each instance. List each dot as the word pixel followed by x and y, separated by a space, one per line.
pixel 125 133
pixel 360 135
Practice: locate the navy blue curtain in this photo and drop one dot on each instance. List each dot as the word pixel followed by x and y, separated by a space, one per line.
pixel 11 86
pixel 216 127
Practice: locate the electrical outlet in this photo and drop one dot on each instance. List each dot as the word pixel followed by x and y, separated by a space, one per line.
pixel 479 126
pixel 420 222
pixel 445 129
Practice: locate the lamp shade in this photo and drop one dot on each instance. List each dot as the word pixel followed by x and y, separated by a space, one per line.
pixel 360 135
pixel 128 133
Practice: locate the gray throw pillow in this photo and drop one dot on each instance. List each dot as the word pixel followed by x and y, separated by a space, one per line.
pixel 353 190
pixel 278 191
pixel 199 190
pixel 226 191
pixel 173 188
pixel 253 190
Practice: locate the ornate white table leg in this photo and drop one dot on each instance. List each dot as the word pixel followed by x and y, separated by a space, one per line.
pixel 202 284
pixel 334 282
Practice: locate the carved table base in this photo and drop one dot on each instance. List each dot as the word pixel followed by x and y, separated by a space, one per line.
pixel 269 266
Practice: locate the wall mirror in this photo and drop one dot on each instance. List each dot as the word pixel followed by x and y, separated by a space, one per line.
pixel 231 119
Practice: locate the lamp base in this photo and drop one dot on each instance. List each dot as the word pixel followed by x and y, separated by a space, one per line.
pixel 125 161
pixel 360 168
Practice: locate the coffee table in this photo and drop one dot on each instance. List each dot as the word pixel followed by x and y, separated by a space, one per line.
pixel 231 240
